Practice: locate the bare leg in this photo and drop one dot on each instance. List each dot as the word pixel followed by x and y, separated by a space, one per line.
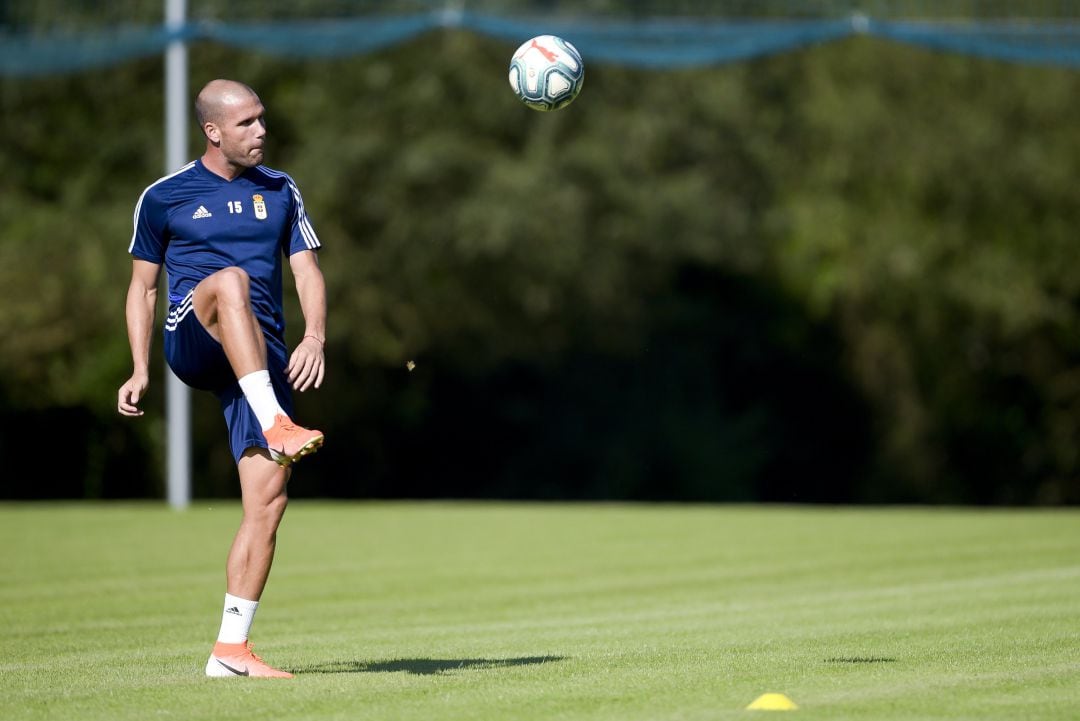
pixel 223 305
pixel 262 484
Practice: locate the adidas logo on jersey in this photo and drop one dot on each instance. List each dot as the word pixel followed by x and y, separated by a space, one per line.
pixel 202 212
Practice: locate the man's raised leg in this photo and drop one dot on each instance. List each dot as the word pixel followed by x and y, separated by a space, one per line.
pixel 222 304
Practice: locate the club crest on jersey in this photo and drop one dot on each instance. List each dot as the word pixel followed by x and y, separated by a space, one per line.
pixel 260 206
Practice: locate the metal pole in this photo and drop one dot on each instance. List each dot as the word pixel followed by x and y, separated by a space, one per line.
pixel 177 395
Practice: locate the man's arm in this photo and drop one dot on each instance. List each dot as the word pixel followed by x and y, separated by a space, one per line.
pixel 140 309
pixel 307 363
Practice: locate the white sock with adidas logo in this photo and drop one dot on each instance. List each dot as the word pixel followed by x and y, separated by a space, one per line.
pixel 236 619
pixel 259 392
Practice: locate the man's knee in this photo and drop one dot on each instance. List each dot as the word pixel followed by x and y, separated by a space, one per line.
pixel 266 514
pixel 277 505
pixel 233 284
pixel 230 285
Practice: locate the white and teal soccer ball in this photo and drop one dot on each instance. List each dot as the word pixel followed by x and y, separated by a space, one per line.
pixel 547 73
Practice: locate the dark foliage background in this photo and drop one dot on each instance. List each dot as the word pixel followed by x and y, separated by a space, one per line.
pixel 846 274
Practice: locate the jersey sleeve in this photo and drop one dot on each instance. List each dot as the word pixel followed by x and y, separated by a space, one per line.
pixel 149 239
pixel 301 234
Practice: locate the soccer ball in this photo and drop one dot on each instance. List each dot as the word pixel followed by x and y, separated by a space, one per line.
pixel 547 73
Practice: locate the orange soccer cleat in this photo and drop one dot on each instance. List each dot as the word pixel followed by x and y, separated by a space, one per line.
pixel 288 442
pixel 236 659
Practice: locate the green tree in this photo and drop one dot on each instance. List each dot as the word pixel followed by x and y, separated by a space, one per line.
pixel 837 274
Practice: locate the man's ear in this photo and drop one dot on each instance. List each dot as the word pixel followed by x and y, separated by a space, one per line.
pixel 212 132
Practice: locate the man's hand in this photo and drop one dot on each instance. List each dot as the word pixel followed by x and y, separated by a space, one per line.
pixel 307 364
pixel 131 393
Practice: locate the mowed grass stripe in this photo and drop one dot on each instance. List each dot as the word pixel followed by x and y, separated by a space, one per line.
pixel 592 611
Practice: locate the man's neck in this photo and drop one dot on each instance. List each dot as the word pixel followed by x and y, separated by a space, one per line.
pixel 218 165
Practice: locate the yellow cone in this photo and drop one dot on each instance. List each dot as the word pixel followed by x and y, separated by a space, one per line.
pixel 772 702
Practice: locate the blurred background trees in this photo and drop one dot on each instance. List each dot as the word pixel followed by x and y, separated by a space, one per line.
pixel 844 274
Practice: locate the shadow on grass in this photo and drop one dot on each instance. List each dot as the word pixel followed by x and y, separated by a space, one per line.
pixel 423 666
pixel 860 659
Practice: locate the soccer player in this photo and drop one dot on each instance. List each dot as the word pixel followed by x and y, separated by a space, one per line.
pixel 221 226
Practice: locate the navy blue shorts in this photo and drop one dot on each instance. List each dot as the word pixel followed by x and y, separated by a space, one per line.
pixel 198 359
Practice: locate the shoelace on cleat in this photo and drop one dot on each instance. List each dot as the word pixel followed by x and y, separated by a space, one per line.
pixel 251 651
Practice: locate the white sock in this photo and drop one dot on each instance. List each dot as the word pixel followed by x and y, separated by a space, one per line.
pixel 236 619
pixel 259 392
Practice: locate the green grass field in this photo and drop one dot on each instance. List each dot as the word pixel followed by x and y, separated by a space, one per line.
pixel 505 611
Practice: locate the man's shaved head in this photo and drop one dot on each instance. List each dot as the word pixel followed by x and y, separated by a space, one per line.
pixel 216 96
pixel 231 117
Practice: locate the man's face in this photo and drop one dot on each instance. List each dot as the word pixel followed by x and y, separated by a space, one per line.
pixel 242 131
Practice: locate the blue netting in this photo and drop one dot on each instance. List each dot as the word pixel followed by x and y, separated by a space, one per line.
pixel 668 43
pixel 1039 43
pixel 646 43
pixel 319 38
pixel 68 52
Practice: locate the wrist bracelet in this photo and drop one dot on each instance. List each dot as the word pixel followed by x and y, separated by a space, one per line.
pixel 323 342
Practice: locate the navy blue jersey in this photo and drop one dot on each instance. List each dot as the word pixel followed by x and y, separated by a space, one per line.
pixel 197 223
